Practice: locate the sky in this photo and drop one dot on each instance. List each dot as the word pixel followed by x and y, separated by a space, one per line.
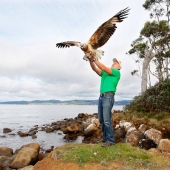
pixel 32 68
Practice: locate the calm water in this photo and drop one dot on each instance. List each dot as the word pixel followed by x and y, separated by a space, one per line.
pixel 24 117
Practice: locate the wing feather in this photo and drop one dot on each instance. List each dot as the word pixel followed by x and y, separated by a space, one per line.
pixel 68 44
pixel 106 30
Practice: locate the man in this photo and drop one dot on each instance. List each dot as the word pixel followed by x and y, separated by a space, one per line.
pixel 109 80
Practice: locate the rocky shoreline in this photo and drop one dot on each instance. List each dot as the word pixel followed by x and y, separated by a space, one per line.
pixel 137 133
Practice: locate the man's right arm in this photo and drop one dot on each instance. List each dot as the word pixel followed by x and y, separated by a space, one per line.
pixel 94 68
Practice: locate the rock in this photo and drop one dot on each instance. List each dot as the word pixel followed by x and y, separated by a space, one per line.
pixel 30 167
pixel 43 128
pixel 90 130
pixel 5 160
pixel 35 146
pixel 64 130
pixel 7 130
pixel 56 127
pixel 72 128
pixel 154 150
pixel 134 137
pixel 131 129
pixel 147 144
pixel 164 145
pixel 32 132
pixel 12 134
pixel 91 125
pixel 22 134
pixel 154 135
pixel 34 136
pixel 4 151
pixel 26 156
pixel 3 167
pixel 81 115
pixel 93 121
pixel 46 151
pixel 80 128
pixel 41 156
pixel 49 130
pixel 70 137
pixel 142 128
pixel 119 134
pixel 2 136
pixel 117 126
pixel 126 125
pixel 49 150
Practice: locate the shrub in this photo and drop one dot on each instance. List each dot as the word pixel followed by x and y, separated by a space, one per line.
pixel 154 99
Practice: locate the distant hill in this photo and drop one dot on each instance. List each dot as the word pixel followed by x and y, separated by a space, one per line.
pixel 58 102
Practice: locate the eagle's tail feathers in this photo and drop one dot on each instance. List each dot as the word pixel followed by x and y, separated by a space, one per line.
pixel 99 54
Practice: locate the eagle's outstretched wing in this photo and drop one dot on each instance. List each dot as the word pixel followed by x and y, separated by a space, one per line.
pixel 106 30
pixel 68 44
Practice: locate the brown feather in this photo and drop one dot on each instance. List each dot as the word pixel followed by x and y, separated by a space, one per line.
pixel 106 30
pixel 68 44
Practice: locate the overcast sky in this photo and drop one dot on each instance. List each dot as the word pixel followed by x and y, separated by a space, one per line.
pixel 32 68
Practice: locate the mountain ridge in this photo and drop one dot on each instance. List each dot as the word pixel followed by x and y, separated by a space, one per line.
pixel 59 102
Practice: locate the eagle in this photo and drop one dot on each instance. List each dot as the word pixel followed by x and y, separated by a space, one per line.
pixel 99 38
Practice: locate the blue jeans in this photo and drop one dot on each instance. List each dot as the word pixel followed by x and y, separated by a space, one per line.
pixel 105 105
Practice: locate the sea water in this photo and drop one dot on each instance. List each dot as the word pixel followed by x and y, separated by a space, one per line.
pixel 24 117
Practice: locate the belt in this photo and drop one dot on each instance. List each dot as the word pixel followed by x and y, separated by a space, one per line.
pixel 102 94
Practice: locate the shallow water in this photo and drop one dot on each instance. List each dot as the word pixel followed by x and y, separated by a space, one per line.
pixel 25 117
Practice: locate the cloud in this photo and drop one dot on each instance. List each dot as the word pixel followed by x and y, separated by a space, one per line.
pixel 32 67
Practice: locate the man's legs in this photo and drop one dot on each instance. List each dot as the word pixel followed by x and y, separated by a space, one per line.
pixel 107 103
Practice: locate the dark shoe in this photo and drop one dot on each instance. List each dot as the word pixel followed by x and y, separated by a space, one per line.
pixel 107 143
pixel 101 141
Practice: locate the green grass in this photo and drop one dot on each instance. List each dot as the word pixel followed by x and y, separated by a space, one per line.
pixel 125 154
pixel 162 118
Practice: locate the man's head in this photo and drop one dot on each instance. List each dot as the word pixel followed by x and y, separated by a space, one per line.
pixel 116 64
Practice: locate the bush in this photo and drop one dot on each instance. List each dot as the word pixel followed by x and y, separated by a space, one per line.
pixel 154 99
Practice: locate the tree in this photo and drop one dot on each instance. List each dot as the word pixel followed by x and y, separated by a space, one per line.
pixel 158 8
pixel 153 44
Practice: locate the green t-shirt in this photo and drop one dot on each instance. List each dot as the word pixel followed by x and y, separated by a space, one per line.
pixel 109 82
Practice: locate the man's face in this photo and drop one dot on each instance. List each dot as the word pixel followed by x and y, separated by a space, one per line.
pixel 116 65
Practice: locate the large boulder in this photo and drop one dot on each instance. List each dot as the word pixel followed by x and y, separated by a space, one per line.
pixel 119 134
pixel 164 145
pixel 134 137
pixel 90 126
pixel 154 135
pixel 5 151
pixel 26 156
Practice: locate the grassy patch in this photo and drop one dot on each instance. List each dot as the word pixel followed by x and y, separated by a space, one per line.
pixel 149 117
pixel 123 153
